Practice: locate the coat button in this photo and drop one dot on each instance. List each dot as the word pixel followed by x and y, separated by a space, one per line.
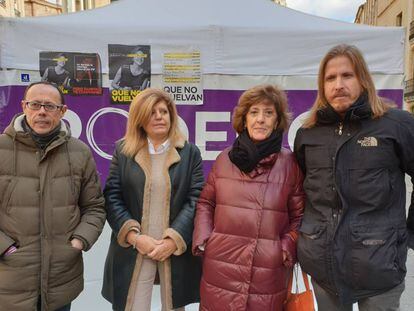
pixel 333 189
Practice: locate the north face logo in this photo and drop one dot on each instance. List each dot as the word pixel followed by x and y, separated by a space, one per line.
pixel 368 142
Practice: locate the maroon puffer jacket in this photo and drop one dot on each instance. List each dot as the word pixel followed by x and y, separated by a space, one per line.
pixel 245 221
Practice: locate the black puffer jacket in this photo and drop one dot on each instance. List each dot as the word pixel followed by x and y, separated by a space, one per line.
pixel 353 238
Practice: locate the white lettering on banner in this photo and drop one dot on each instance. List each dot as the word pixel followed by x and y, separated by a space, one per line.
pixel 202 135
pixel 294 126
pixel 75 123
pixel 91 124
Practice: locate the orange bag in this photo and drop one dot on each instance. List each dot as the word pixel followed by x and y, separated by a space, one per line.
pixel 299 301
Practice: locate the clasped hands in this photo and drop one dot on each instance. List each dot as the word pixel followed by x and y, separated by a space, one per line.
pixel 155 249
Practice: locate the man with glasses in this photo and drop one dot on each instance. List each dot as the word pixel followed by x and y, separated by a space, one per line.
pixel 51 205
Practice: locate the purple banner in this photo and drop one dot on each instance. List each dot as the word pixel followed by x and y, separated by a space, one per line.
pixel 209 125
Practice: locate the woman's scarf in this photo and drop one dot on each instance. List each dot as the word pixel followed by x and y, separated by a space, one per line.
pixel 246 154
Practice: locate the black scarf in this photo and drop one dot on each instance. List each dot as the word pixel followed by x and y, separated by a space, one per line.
pixel 245 154
pixel 359 110
pixel 42 141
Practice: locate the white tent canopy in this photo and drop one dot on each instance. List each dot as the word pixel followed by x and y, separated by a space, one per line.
pixel 235 37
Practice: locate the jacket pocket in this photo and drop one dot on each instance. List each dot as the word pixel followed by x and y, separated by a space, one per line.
pixel 18 259
pixel 312 250
pixel 7 194
pixel 319 157
pixel 372 186
pixel 375 260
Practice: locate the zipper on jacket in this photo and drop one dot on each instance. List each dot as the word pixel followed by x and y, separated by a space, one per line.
pixel 336 212
pixel 43 234
pixel 335 217
pixel 340 127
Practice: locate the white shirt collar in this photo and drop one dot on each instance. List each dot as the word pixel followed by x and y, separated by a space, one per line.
pixel 161 148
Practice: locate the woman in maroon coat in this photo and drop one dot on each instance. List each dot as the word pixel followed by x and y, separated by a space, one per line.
pixel 249 211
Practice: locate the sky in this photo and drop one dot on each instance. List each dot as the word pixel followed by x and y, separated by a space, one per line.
pixel 344 10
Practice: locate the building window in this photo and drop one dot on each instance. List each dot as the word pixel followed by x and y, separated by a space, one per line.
pixel 3 3
pixel 398 21
pixel 78 5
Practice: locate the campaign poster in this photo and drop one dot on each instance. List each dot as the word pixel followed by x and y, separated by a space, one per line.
pixel 88 75
pixel 74 73
pixel 57 67
pixel 129 71
pixel 182 77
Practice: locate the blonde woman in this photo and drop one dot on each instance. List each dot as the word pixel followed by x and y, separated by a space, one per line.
pixel 154 182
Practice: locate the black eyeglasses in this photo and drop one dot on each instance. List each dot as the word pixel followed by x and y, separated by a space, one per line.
pixel 34 105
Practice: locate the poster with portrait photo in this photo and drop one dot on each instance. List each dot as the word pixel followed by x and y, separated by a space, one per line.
pixel 74 73
pixel 129 71
pixel 57 67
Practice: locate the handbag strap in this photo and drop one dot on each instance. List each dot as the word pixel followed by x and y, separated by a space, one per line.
pixel 305 280
pixel 294 273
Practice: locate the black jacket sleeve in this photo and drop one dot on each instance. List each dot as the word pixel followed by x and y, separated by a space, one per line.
pixel 117 212
pixel 184 222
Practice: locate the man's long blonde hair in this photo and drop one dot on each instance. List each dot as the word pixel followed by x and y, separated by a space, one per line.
pixel 140 114
pixel 378 105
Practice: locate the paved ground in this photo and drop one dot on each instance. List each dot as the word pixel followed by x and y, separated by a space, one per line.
pixel 407 299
